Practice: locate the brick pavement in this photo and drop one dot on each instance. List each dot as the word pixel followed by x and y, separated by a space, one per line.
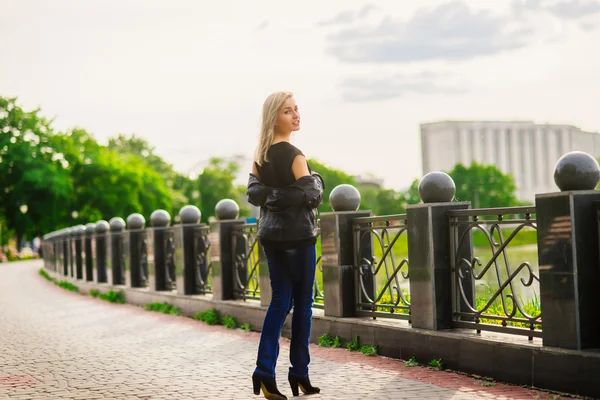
pixel 60 345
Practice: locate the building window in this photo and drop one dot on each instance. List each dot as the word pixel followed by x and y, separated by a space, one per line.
pixel 457 147
pixel 534 156
pixel 509 152
pixel 497 140
pixel 472 144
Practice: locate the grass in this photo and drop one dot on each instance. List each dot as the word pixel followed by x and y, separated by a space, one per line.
pixel 327 340
pixel 368 350
pixel 229 322
pixel 211 317
pixel 488 383
pixel 411 363
pixel 436 364
pixel 533 308
pixel 112 296
pixel 68 286
pixel 43 273
pixel 95 293
pixel 245 327
pixel 354 345
pixel 164 308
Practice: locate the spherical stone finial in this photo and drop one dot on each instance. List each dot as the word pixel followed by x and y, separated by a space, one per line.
pixel 437 187
pixel 102 226
pixel 344 197
pixel 136 221
pixel 227 209
pixel 90 228
pixel 190 214
pixel 117 224
pixel 576 171
pixel 160 218
pixel 79 230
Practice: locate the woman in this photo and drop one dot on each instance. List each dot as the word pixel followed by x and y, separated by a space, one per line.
pixel 286 191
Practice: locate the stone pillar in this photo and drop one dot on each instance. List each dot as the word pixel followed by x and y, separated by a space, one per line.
pixel 191 259
pixel 136 267
pixel 160 251
pixel 66 249
pixel 90 254
pixel 568 251
pixel 102 253
pixel 117 252
pixel 78 233
pixel 221 249
pixel 72 256
pixel 429 252
pixel 337 247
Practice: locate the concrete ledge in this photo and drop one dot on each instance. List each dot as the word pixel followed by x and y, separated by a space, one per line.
pixel 501 357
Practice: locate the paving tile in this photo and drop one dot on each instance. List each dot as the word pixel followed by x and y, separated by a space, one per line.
pixel 61 345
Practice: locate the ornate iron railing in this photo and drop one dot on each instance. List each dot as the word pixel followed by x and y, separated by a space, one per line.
pixel 246 262
pixel 170 265
pixel 143 252
pixel 381 263
pixel 487 295
pixel 203 264
pixel 318 287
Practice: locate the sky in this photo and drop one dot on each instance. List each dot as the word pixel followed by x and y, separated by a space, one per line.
pixel 191 76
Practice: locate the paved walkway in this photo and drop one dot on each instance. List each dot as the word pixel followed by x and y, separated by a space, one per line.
pixel 60 345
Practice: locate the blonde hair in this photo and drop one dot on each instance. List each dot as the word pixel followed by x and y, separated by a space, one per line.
pixel 271 108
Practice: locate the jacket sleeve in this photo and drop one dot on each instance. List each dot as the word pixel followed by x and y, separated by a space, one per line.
pixel 314 191
pixel 256 192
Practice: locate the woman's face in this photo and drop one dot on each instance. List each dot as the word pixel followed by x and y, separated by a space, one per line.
pixel 288 119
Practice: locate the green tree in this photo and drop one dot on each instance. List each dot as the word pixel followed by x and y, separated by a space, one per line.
pixel 389 202
pixel 181 188
pixel 332 178
pixel 411 195
pixel 485 186
pixel 215 183
pixel 34 179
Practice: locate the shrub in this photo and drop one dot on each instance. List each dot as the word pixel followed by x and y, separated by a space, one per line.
pixel 68 286
pixel 229 322
pixel 114 297
pixel 211 317
pixel 327 340
pixel 164 308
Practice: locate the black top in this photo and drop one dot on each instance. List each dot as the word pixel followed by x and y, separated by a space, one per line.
pixel 277 172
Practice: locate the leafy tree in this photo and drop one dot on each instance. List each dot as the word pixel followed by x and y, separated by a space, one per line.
pixel 215 183
pixel 389 202
pixel 484 186
pixel 34 179
pixel 411 195
pixel 332 178
pixel 181 188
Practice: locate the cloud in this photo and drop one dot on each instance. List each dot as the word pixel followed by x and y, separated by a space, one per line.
pixel 575 9
pixel 360 89
pixel 263 25
pixel 348 17
pixel 448 31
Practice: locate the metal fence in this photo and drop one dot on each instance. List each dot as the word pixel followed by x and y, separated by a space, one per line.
pixel 246 262
pixel 318 301
pixel 381 264
pixel 201 256
pixel 495 289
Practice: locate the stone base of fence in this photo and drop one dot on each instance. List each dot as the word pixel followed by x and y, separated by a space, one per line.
pixel 501 357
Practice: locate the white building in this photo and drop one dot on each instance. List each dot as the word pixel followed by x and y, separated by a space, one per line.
pixel 526 150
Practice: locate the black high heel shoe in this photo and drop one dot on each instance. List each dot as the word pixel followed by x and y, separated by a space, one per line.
pixel 304 384
pixel 268 386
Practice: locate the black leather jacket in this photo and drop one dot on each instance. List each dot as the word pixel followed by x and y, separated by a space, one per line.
pixel 288 213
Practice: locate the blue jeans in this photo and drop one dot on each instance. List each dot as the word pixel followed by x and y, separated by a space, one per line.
pixel 292 274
